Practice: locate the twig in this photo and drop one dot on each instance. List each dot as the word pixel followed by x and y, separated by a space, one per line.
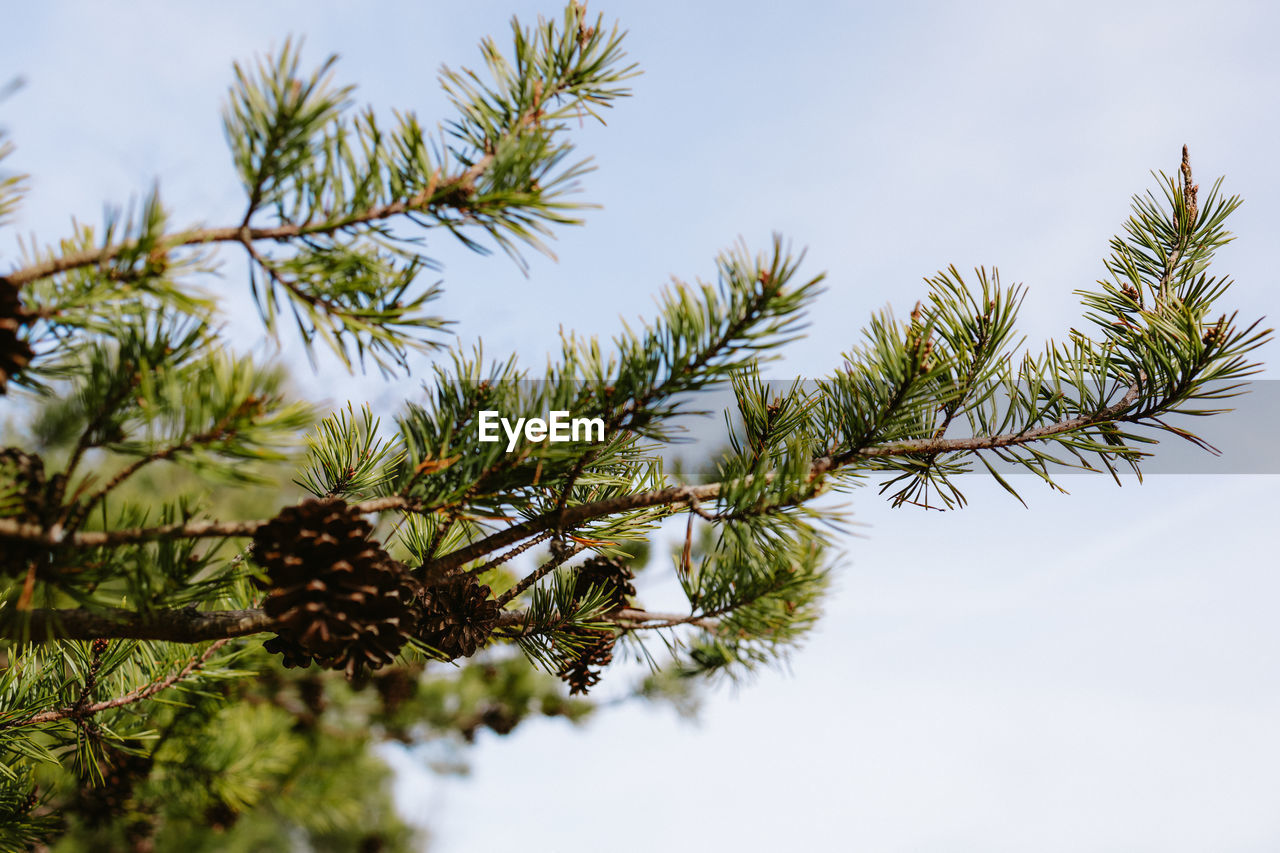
pixel 686 566
pixel 10 529
pixel 219 431
pixel 540 572
pixel 78 712
pixel 627 618
pixel 79 709
pixel 184 625
pixel 509 555
pixel 437 194
pixel 448 189
pixel 825 464
pixel 644 619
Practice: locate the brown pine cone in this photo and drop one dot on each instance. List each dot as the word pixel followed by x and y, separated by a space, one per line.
pixel 459 616
pixel 220 817
pixel 337 597
pixel 121 771
pixel 500 719
pixel 22 498
pixel 395 688
pixel 15 354
pixel 613 575
pixel 579 673
pixel 311 692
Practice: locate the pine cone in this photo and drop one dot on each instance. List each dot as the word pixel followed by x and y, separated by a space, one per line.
pixel 311 692
pixel 614 575
pixel 500 719
pixel 15 354
pixel 22 492
pixel 395 688
pixel 121 771
pixel 372 844
pixel 220 817
pixel 139 834
pixel 337 597
pixel 459 616
pixel 578 673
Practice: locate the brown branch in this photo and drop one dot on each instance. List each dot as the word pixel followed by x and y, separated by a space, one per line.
pixel 637 619
pixel 676 495
pixel 192 626
pixel 570 517
pixel 56 535
pixel 540 572
pixel 437 194
pixel 510 555
pixel 933 446
pixel 628 618
pixel 185 625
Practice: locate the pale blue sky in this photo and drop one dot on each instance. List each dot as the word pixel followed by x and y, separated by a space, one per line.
pixel 1098 672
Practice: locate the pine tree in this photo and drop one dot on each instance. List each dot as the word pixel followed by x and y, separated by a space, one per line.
pixel 174 644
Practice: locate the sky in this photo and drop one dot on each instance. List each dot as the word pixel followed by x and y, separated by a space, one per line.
pixel 1097 671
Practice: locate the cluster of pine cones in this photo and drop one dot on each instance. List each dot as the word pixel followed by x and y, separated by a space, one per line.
pixel 339 600
pixel 612 578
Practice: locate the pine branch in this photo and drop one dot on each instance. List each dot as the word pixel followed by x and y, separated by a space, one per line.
pixel 82 710
pixel 575 515
pixel 510 555
pixel 438 195
pixel 186 625
pixel 935 446
pixel 1187 226
pixel 220 431
pixel 568 519
pixel 193 626
pixel 627 619
pixel 682 495
pixel 86 439
pixel 631 619
pixel 57 535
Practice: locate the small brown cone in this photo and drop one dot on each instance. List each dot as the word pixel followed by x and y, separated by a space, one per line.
pixel 15 353
pixel 395 687
pixel 22 494
pixel 121 771
pixel 459 616
pixel 613 576
pixel 583 672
